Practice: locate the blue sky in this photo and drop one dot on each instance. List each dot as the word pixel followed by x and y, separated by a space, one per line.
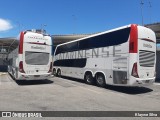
pixel 73 16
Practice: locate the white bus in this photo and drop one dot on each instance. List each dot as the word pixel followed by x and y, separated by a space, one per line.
pixel 125 56
pixel 32 59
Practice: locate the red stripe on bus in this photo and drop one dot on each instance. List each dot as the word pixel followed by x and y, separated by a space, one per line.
pixel 21 43
pixel 133 42
pixel 146 39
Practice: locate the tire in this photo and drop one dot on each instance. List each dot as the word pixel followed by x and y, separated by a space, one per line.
pixel 54 72
pixel 89 79
pixel 13 75
pixel 100 80
pixel 58 73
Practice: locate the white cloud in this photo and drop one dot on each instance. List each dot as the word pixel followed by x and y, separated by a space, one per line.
pixel 5 25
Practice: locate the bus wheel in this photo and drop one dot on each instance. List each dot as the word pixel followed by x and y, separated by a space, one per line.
pixel 89 78
pixel 59 73
pixel 100 79
pixel 54 72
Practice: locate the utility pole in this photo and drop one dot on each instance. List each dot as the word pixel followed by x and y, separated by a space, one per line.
pixel 150 6
pixel 142 10
pixel 42 27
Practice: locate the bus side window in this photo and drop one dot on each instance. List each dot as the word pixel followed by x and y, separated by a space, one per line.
pixel 71 47
pixel 53 50
pixel 84 44
pixel 60 49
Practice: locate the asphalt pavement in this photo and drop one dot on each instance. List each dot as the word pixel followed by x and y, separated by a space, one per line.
pixel 66 94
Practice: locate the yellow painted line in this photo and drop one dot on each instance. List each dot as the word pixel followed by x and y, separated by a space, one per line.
pixel 3 73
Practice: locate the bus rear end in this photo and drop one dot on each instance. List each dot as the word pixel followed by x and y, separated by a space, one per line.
pixel 142 56
pixel 36 61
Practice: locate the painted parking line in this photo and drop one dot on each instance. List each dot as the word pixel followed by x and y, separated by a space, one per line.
pixel 71 83
pixel 3 73
pixel 90 88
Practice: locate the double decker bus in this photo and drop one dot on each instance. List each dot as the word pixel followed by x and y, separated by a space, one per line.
pixel 124 56
pixel 32 58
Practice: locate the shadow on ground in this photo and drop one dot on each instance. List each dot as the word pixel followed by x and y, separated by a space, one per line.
pixel 129 90
pixel 122 89
pixel 32 82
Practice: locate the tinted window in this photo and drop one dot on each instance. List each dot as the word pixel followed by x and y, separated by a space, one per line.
pixel 71 46
pixel 71 63
pixel 104 40
pixel 84 44
pixel 53 49
pixel 67 48
pixel 108 39
pixel 36 58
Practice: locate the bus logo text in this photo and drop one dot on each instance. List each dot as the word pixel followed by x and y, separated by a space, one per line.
pixel 147 45
pixel 37 47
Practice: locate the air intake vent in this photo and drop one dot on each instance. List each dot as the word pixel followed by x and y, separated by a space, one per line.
pixel 146 58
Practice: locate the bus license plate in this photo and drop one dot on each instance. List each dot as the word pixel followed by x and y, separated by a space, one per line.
pixel 147 81
pixel 36 75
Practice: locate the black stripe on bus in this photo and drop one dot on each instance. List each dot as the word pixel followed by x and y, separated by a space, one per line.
pixel 78 63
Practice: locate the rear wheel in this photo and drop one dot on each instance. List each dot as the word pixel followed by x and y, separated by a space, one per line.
pixel 59 73
pixel 54 72
pixel 100 80
pixel 89 78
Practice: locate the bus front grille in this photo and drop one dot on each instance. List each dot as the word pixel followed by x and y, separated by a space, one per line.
pixel 146 58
